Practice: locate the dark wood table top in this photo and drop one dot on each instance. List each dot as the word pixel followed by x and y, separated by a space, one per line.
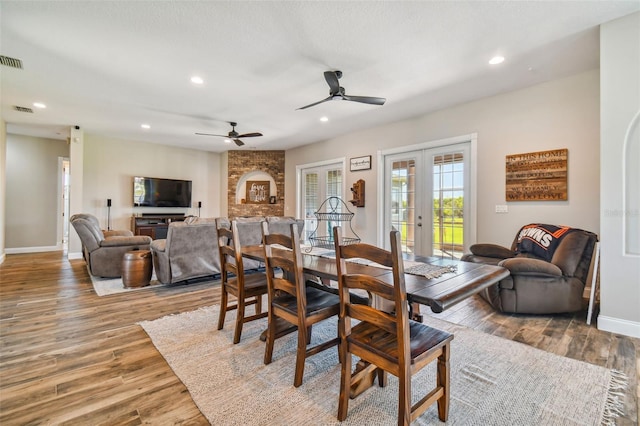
pixel 438 293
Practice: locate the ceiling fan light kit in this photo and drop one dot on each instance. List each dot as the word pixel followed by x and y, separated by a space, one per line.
pixel 337 92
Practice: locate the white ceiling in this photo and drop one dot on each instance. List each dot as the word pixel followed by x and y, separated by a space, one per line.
pixel 109 66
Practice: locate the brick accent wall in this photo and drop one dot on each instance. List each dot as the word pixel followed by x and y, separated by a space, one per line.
pixel 243 162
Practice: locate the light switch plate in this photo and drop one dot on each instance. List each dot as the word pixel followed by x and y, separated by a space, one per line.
pixel 502 208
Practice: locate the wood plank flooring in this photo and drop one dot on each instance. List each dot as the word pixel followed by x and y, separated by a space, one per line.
pixel 70 357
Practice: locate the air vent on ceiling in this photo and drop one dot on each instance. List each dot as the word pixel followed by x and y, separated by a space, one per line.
pixel 10 62
pixel 22 109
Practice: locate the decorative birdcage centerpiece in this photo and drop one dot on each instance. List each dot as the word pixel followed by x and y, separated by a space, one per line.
pixel 332 212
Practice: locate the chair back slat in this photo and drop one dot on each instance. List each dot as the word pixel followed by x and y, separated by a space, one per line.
pixel 370 284
pixel 279 239
pixel 372 315
pixel 369 252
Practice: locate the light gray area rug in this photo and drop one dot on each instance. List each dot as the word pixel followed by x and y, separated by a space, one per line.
pixel 107 286
pixel 494 381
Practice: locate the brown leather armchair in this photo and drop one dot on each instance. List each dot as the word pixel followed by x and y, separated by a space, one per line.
pixel 549 266
pixel 103 250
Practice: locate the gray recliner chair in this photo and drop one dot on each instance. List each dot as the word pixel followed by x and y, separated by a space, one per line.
pixel 189 251
pixel 103 250
pixel 549 266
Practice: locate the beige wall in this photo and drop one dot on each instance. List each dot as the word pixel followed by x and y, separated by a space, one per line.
pixel 32 185
pixel 558 114
pixel 3 198
pixel 620 88
pixel 111 164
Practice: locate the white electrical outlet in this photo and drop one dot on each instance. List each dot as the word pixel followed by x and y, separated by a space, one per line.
pixel 502 208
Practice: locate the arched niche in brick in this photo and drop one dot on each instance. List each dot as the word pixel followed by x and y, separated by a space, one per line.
pixel 241 188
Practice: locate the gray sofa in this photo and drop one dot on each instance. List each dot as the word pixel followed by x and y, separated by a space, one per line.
pixel 103 250
pixel 191 247
pixel 541 281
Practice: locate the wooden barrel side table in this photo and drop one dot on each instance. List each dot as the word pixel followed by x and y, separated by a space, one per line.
pixel 136 268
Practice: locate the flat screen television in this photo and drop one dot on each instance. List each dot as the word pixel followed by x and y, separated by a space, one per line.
pixel 155 192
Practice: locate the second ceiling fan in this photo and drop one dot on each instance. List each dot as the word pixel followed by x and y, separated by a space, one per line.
pixel 336 92
pixel 233 135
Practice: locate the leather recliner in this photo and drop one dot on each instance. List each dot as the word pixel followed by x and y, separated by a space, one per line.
pixel 541 281
pixel 103 250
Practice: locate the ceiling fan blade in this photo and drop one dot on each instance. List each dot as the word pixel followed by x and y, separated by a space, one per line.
pixel 332 81
pixel 211 134
pixel 249 135
pixel 238 142
pixel 365 99
pixel 316 103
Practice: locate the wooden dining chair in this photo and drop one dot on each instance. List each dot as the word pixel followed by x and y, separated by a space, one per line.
pixel 291 300
pixel 387 342
pixel 248 289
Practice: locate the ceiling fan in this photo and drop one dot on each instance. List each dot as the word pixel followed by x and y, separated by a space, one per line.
pixel 336 92
pixel 235 136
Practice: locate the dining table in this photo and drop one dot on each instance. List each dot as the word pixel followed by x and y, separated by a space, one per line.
pixel 460 281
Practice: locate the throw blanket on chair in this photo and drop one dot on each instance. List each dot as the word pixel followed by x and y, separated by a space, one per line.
pixel 540 240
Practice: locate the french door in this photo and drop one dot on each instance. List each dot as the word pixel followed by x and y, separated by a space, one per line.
pixel 317 183
pixel 427 199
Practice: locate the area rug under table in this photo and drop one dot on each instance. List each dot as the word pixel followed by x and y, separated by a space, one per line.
pixel 493 381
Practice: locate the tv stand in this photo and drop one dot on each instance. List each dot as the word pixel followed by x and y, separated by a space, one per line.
pixel 154 225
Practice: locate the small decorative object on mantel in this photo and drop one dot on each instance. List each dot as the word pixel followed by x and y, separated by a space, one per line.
pixel 537 176
pixel 357 190
pixel 360 163
pixel 257 192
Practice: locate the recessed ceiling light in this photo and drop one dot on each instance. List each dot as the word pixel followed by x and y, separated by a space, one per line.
pixel 227 141
pixel 145 126
pixel 324 119
pixel 197 80
pixel 496 60
pixel 39 105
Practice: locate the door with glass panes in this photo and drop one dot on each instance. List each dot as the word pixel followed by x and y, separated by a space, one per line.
pixel 317 184
pixel 427 199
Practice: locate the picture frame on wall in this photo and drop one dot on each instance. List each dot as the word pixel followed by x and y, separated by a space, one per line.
pixel 360 163
pixel 257 192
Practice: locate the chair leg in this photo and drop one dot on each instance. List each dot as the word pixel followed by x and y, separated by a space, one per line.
pixel 223 307
pixel 404 400
pixel 271 336
pixel 301 355
pixel 443 380
pixel 345 381
pixel 239 320
pixel 382 377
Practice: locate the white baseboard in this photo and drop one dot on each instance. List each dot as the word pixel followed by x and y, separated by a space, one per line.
pixel 20 250
pixel 619 326
pixel 74 256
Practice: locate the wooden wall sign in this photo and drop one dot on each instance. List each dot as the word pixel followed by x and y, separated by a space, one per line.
pixel 537 176
pixel 257 192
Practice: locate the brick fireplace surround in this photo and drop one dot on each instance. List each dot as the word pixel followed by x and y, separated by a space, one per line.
pixel 241 163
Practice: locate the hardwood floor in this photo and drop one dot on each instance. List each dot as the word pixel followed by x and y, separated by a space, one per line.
pixel 70 357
